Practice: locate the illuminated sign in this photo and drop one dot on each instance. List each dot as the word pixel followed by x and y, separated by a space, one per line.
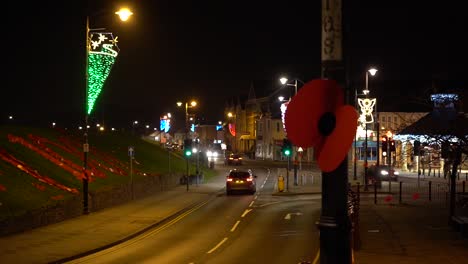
pixel 164 125
pixel 283 108
pixel 367 106
pixel 102 52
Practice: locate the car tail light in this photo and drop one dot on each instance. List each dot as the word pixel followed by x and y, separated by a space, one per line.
pixel 229 179
pixel 249 179
pixel 231 158
pixel 240 158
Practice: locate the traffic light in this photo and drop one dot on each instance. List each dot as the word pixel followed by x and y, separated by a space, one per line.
pixel 187 147
pixel 416 147
pixel 384 143
pixel 392 145
pixel 287 147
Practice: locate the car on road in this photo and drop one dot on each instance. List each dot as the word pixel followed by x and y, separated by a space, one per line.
pixel 241 180
pixel 382 173
pixel 234 159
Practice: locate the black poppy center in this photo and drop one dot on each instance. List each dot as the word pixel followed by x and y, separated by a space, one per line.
pixel 327 123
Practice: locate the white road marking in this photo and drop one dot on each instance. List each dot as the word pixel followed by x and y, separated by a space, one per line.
pixel 251 203
pixel 217 246
pixel 235 226
pixel 288 216
pixel 246 212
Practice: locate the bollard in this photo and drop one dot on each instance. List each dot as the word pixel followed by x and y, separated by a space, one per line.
pixel 401 185
pixel 430 191
pixel 280 183
pixel 375 193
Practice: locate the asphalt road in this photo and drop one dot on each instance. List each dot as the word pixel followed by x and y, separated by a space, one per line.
pixel 241 228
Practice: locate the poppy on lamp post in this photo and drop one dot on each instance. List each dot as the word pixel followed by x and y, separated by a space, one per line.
pixel 316 117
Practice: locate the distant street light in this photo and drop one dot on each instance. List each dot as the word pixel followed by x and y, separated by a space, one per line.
pixel 187 129
pixel 100 56
pixel 372 71
pixel 285 80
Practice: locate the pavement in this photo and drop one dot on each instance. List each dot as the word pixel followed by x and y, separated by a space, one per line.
pixel 389 232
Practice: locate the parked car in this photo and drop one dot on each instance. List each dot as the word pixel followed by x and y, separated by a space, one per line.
pixel 234 159
pixel 241 180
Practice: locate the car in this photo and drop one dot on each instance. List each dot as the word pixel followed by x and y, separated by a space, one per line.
pixel 382 173
pixel 241 180
pixel 234 159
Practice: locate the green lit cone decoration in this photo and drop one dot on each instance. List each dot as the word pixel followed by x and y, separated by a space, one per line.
pixel 102 54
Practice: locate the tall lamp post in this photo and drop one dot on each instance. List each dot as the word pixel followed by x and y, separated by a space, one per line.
pixel 284 81
pixel 100 56
pixel 187 129
pixel 372 71
pixel 232 129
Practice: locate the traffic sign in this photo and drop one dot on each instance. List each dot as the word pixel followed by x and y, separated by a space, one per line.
pixel 131 151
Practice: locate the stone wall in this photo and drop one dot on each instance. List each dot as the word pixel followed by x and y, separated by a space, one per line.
pixel 98 200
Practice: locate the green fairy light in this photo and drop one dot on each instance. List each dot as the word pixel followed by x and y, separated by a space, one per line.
pixel 102 53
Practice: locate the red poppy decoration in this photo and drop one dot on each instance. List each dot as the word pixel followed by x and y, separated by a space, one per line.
pixel 317 117
pixel 388 198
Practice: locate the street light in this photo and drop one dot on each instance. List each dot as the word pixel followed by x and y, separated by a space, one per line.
pixel 100 56
pixel 187 129
pixel 372 71
pixel 284 81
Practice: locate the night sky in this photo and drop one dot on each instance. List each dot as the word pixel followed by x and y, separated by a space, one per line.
pixel 213 51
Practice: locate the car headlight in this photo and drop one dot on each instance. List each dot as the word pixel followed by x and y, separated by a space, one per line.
pixel 396 173
pixel 384 172
pixel 209 153
pixel 215 154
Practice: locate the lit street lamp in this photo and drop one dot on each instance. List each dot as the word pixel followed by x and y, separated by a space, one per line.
pixel 101 51
pixel 372 71
pixel 187 106
pixel 187 129
pixel 284 81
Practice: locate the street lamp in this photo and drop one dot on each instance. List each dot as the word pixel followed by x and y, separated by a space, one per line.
pixel 366 91
pixel 284 81
pixel 187 106
pixel 101 51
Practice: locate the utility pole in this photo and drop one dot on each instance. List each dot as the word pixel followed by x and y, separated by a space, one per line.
pixel 334 223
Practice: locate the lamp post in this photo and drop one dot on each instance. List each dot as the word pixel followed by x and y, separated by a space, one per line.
pixel 187 129
pixel 284 81
pixel 91 96
pixel 232 130
pixel 372 71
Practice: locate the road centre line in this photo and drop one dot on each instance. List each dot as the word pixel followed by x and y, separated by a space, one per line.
pixel 235 226
pixel 246 212
pixel 217 246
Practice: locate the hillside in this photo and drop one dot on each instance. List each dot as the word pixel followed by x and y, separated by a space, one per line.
pixel 40 167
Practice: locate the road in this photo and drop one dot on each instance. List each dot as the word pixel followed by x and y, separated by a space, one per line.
pixel 241 228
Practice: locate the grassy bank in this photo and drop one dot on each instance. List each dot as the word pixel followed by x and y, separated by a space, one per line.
pixel 41 166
